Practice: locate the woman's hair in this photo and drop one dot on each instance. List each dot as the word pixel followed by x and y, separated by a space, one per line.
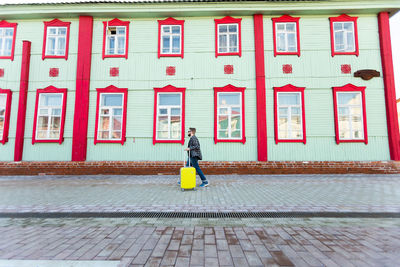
pixel 193 130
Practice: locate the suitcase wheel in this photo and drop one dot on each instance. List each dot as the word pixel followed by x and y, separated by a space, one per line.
pixel 183 190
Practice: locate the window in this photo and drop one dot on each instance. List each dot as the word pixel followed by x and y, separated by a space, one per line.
pixel 8 32
pixel 56 39
pixel 229 120
pixel 286 35
pixel 344 35
pixel 111 115
pixel 169 115
pixel 49 117
pixel 170 38
pixel 115 38
pixel 350 114
pixel 290 125
pixel 228 37
pixel 5 108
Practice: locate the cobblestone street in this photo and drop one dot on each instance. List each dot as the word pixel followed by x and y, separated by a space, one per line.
pixel 200 241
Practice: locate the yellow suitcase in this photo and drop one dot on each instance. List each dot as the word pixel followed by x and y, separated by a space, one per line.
pixel 188 177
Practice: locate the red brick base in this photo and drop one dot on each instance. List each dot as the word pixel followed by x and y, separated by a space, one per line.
pixel 208 167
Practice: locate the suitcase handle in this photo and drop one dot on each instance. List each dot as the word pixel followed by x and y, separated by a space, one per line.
pixel 184 161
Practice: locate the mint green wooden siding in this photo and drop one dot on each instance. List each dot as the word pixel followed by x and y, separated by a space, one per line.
pixel 199 71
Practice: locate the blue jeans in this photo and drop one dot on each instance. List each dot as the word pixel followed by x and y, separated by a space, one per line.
pixel 195 163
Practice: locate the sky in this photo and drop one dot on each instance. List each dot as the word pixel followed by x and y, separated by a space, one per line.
pixel 395 34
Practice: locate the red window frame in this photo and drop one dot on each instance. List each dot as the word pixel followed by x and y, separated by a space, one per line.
pixel 115 22
pixel 228 20
pixel 229 88
pixel 170 21
pixel 5 24
pixel 350 88
pixel 55 23
pixel 8 94
pixel 168 89
pixel 48 90
pixel 344 18
pixel 283 19
pixel 289 88
pixel 111 89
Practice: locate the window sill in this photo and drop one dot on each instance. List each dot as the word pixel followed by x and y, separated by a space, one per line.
pixel 116 56
pixel 228 54
pixel 60 141
pixel 287 54
pixel 304 141
pixel 122 141
pixel 243 140
pixel 345 54
pixel 169 141
pixel 64 57
pixel 338 141
pixel 170 55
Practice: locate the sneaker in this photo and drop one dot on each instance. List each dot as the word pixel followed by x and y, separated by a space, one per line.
pixel 204 184
pixel 179 182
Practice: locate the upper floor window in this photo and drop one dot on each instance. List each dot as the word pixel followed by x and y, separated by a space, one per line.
pixel 229 114
pixel 8 32
pixel 169 115
pixel 49 118
pixel 344 35
pixel 289 114
pixel 115 38
pixel 228 37
pixel 170 38
pixel 286 35
pixel 5 106
pixel 111 115
pixel 350 114
pixel 56 39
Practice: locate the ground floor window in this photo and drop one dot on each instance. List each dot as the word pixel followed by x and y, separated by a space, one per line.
pixel 169 114
pixel 111 115
pixel 229 114
pixel 5 106
pixel 49 115
pixel 350 115
pixel 289 114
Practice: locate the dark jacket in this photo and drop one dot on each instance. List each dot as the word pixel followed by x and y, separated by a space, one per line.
pixel 194 146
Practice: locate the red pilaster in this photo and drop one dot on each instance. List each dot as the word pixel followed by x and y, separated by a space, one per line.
pixel 260 89
pixel 23 93
pixel 79 138
pixel 390 92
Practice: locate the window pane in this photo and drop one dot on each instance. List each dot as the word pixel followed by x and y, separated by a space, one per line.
pixel 53 31
pixel 176 111
pixel 280 26
pixel 9 32
pixel 339 41
pixel 281 44
pixel 223 28
pixel 62 31
pixel 223 134
pixel 283 112
pixel 121 45
pixel 175 127
pixel 176 29
pixel 166 45
pixel 121 30
pixel 163 123
pixel 117 111
pixel 43 123
pixel 292 42
pixel 61 46
pixel 176 44
pixel 166 29
pixel 350 42
pixel 117 123
pixel 233 43
pixel 104 123
pixel 349 98
pixel 288 98
pixel 2 111
pixel 51 45
pixel 111 45
pixel 170 99
pixel 223 111
pixel 103 135
pixel 283 127
pixel 348 26
pixel 163 111
pixel 50 100
pixel 222 43
pixel 290 27
pixel 222 122
pixel 229 99
pixel 41 134
pixel 233 28
pixel 116 135
pixel 111 99
pixel 56 112
pixel 235 123
pixel 1 125
pixel 8 47
pixel 55 123
pixel 235 134
pixel 337 26
pixel 235 111
pixel 3 98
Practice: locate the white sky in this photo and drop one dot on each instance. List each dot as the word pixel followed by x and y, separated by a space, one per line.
pixel 395 33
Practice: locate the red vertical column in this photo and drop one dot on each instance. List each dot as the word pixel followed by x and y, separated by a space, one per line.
pixel 23 94
pixel 79 138
pixel 390 92
pixel 262 150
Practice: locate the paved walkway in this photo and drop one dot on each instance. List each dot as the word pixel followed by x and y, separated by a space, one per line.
pixel 205 241
pixel 361 193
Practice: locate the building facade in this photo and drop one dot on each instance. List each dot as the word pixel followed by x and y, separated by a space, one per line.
pixel 260 81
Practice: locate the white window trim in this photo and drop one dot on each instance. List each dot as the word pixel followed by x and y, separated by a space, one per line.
pixel 57 37
pixel 110 116
pixel 286 37
pixel 4 37
pixel 350 123
pixel 168 107
pixel 345 50
pixel 170 34
pixel 3 116
pixel 289 116
pixel 117 36
pixel 229 107
pixel 227 39
pixel 49 108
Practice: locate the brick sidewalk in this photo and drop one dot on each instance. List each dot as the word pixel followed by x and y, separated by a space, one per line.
pixel 206 246
pixel 347 193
